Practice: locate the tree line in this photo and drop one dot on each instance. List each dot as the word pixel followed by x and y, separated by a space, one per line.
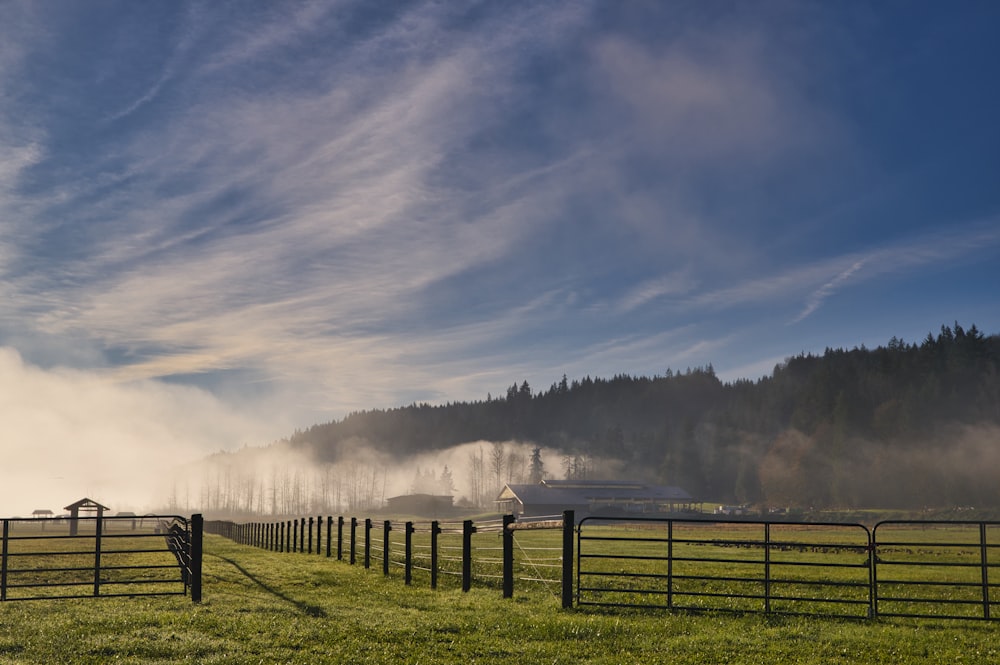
pixel 904 424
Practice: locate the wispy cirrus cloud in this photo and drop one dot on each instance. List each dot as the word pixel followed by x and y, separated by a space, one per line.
pixel 357 205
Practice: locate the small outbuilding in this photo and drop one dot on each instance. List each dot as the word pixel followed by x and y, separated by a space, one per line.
pixel 83 505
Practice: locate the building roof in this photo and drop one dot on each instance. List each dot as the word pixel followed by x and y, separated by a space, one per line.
pixel 585 492
pixel 85 503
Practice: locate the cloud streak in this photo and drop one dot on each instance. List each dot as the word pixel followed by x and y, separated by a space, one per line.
pixel 346 206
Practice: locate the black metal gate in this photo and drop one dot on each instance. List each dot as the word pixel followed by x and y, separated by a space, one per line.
pixel 744 566
pixel 47 558
pixel 936 569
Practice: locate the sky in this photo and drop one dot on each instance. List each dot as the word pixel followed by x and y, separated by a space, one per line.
pixel 220 221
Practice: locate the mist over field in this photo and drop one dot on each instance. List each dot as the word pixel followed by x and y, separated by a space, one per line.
pixel 70 433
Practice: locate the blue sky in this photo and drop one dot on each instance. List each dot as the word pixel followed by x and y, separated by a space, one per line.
pixel 296 210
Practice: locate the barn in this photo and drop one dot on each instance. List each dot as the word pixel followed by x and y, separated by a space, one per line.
pixel 593 497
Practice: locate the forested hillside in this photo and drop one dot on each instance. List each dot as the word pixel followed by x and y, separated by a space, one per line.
pixel 906 424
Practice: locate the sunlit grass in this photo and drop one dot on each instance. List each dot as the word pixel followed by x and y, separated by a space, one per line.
pixel 294 608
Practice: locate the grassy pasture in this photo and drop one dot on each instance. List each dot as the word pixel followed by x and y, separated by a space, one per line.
pixel 265 607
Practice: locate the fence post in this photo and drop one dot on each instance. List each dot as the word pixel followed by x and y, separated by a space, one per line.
pixel 508 556
pixel 408 567
pixel 302 535
pixel 670 564
pixel 767 567
pixel 984 558
pixel 310 535
pixel 368 543
pixel 386 528
pixel 467 530
pixel 354 536
pixel 435 530
pixel 569 523
pixel 319 534
pixel 340 538
pixel 329 534
pixel 3 561
pixel 97 552
pixel 197 527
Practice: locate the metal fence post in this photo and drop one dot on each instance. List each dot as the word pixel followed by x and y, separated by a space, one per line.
pixel 368 542
pixel 670 564
pixel 767 567
pixel 984 558
pixel 386 528
pixel 329 535
pixel 97 552
pixel 569 524
pixel 3 561
pixel 408 557
pixel 508 556
pixel 197 528
pixel 354 536
pixel 435 530
pixel 467 530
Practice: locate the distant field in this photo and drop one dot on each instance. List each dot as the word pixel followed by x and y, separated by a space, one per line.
pixel 262 607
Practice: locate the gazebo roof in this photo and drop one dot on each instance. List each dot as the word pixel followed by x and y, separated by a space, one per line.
pixel 85 503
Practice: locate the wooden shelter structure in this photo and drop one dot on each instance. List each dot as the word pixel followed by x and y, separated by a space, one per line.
pixel 83 505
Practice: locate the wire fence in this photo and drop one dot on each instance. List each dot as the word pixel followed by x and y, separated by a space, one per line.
pixel 923 569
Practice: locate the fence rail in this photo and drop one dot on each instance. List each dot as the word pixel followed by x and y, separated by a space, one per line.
pixel 84 557
pixel 922 569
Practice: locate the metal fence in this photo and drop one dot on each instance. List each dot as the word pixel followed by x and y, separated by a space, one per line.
pixel 936 569
pixel 746 566
pixel 919 569
pixel 923 569
pixel 86 557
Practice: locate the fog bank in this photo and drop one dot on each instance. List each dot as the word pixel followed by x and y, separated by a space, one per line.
pixel 68 434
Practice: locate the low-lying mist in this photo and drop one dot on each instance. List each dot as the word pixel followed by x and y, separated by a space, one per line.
pixel 281 480
pixel 69 434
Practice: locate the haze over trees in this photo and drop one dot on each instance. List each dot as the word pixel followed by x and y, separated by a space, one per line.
pixel 904 425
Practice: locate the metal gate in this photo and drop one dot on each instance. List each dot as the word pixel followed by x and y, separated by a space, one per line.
pixel 48 558
pixel 936 569
pixel 741 566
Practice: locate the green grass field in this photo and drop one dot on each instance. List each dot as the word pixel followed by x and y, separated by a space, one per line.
pixel 263 607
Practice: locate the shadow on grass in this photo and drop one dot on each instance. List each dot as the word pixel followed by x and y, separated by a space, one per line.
pixel 305 608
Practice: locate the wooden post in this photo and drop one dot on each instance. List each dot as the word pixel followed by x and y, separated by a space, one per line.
pixel 569 523
pixel 435 530
pixel 354 536
pixel 408 554
pixel 197 528
pixel 508 556
pixel 386 528
pixel 368 542
pixel 467 530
